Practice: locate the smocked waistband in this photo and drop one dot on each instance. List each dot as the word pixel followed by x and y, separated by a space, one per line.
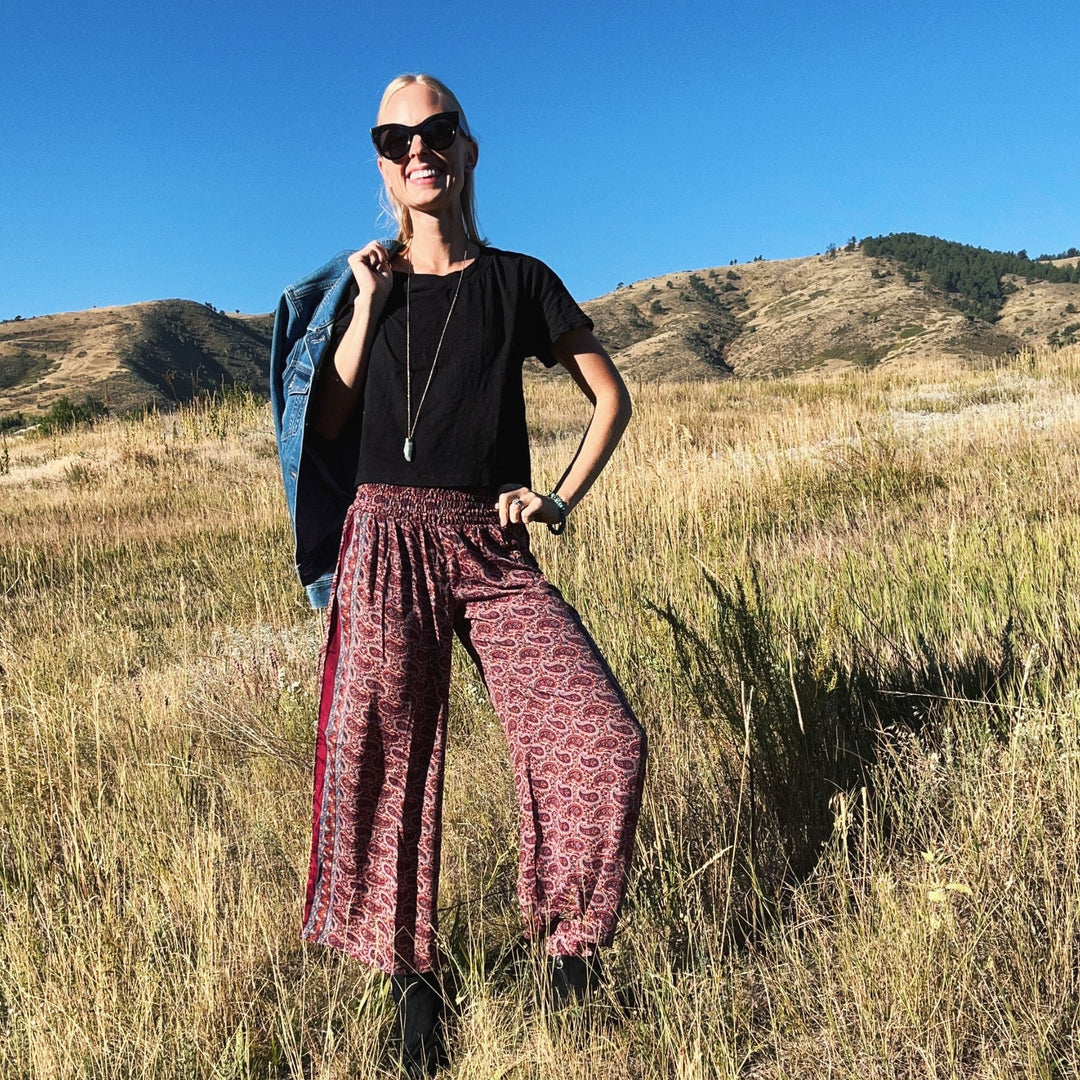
pixel 465 506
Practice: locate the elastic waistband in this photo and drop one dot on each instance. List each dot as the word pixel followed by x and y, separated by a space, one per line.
pixel 464 506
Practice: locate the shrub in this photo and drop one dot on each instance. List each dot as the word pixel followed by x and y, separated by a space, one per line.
pixel 64 414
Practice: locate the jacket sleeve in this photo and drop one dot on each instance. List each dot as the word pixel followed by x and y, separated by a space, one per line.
pixel 280 345
pixel 318 476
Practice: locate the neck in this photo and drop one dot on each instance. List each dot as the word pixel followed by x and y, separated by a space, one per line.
pixel 437 246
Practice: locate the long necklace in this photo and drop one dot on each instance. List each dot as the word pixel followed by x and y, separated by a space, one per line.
pixel 410 420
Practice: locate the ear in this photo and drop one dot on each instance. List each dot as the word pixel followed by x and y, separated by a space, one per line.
pixel 472 156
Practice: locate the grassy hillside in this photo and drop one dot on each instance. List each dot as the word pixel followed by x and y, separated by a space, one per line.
pixel 845 610
pixel 844 309
pixel 825 313
pixel 166 351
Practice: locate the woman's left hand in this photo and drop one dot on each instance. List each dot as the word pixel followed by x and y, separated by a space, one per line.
pixel 521 504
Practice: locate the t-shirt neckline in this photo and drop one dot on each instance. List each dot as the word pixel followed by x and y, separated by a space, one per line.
pixel 466 272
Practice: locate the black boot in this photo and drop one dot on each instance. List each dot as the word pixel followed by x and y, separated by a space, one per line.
pixel 570 980
pixel 419 1001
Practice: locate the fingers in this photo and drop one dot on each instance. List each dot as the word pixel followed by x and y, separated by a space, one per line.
pixel 373 257
pixel 509 503
pixel 519 505
pixel 372 260
pixel 529 509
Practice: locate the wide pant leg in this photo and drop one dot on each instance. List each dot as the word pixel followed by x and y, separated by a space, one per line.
pixel 577 751
pixel 373 880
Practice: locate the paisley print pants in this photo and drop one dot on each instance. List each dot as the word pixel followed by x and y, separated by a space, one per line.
pixel 418 565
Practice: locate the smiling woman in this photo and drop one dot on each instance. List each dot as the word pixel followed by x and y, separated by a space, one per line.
pixel 411 353
pixel 387 138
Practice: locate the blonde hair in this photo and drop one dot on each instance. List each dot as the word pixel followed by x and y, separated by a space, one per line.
pixel 392 207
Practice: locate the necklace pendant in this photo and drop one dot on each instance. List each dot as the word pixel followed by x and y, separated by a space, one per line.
pixel 407 449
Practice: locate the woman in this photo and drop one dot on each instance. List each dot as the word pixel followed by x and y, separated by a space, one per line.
pixel 425 371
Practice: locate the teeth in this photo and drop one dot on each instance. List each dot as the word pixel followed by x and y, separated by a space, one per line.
pixel 423 174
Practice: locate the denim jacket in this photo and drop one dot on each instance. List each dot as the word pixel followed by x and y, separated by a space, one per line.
pixel 319 474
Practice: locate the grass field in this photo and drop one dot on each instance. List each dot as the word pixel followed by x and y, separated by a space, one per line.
pixel 845 609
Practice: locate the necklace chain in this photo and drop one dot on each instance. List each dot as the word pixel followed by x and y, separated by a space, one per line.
pixel 410 420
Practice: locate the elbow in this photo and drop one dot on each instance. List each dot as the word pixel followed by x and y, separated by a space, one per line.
pixel 624 408
pixel 613 407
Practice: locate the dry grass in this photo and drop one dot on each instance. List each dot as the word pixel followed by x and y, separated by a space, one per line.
pixel 844 608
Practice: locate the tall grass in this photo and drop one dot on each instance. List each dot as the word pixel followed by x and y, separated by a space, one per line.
pixel 845 609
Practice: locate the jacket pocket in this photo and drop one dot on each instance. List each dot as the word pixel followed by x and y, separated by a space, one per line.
pixel 297 383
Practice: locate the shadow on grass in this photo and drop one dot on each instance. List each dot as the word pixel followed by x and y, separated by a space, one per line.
pixel 791 730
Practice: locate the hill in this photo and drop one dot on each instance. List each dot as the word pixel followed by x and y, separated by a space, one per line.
pixel 825 312
pixel 164 350
pixel 890 300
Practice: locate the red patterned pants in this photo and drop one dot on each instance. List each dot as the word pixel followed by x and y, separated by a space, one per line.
pixel 418 565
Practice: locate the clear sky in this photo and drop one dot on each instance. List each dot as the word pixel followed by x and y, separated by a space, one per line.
pixel 218 150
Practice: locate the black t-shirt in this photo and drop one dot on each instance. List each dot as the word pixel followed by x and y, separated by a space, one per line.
pixel 471 429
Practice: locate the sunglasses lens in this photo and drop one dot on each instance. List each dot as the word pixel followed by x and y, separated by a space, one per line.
pixel 393 141
pixel 438 133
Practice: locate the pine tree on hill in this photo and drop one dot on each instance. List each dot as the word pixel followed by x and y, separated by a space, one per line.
pixel 972 277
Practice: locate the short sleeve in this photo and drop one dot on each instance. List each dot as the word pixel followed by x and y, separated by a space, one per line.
pixel 553 310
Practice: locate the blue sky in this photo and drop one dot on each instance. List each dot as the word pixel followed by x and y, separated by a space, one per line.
pixel 217 151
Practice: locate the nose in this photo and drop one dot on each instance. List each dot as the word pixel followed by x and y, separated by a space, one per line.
pixel 416 145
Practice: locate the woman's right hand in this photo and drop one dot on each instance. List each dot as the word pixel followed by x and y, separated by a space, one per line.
pixel 341 380
pixel 374 275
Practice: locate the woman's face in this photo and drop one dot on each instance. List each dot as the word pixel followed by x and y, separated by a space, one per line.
pixel 426 181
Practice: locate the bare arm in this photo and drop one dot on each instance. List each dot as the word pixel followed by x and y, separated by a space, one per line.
pixel 599 380
pixel 341 383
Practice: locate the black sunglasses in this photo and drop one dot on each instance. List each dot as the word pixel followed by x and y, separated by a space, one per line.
pixel 437 132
